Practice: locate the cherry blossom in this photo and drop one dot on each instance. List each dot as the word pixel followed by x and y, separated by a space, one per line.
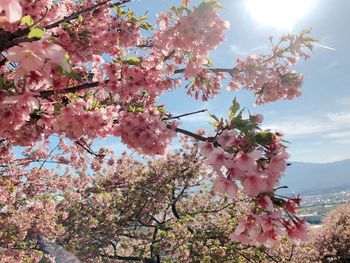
pixel 224 185
pixel 12 9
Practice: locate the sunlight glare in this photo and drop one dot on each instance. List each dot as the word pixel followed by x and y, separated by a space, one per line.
pixel 282 14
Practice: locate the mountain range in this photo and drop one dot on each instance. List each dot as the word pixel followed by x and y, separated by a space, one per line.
pixel 316 178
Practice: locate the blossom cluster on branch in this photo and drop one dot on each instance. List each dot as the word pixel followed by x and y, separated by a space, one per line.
pixel 75 71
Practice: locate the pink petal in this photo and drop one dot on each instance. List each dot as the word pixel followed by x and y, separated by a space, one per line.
pixel 32 63
pixel 13 11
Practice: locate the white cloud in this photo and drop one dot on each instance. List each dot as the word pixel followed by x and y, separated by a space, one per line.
pixel 298 128
pixel 334 125
pixel 340 117
pixel 239 51
pixel 339 135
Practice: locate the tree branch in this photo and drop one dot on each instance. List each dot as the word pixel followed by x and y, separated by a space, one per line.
pixel 48 93
pixel 193 135
pixel 183 115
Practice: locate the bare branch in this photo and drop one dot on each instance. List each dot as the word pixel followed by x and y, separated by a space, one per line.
pixel 183 115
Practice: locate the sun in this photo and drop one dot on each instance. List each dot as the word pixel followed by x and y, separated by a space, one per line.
pixel 282 14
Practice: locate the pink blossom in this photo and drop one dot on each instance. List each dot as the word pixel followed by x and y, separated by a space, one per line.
pixel 278 162
pixel 258 118
pixel 298 232
pixel 291 205
pixel 227 138
pixel 57 55
pixel 218 157
pixel 254 185
pixel 33 55
pixel 223 185
pixel 206 148
pixel 12 8
pixel 247 161
pixel 266 203
pixel 30 55
pixel 241 233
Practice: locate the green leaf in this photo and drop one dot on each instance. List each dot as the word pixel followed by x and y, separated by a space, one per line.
pixel 27 20
pixel 214 117
pixel 264 138
pixel 135 108
pixel 36 33
pixel 238 123
pixel 133 61
pixel 233 109
pixel 80 19
pixel 146 26
pixel 210 62
pixel 144 17
pixel 120 11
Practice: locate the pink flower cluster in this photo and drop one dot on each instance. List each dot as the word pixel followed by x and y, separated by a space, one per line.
pixel 249 167
pixel 101 32
pixel 37 56
pixel 258 229
pixel 266 229
pixel 195 34
pixel 257 165
pixel 145 131
pixel 15 111
pixel 198 33
pixel 128 81
pixel 268 79
pixel 44 12
pixel 80 119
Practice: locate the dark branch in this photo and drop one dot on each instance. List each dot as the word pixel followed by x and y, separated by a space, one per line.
pixel 193 135
pixel 48 93
pixel 183 115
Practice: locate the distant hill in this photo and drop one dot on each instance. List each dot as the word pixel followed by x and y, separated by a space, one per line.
pixel 316 178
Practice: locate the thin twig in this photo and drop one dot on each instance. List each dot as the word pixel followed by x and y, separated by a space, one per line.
pixel 77 14
pixel 85 147
pixel 291 254
pixel 41 166
pixel 183 115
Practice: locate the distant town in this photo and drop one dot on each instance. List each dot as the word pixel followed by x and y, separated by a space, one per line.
pixel 315 207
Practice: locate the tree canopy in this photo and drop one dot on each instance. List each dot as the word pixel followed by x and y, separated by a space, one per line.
pixel 75 71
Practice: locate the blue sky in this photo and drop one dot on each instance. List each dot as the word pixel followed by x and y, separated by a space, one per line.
pixel 317 124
